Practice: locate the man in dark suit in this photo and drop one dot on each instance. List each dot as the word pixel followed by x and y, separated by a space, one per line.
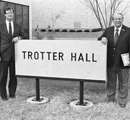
pixel 10 32
pixel 118 39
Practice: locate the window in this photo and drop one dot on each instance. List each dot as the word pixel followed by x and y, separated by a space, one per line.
pixel 21 15
pixel 26 20
pixel 2 17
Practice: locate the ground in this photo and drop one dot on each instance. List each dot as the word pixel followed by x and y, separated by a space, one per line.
pixel 60 94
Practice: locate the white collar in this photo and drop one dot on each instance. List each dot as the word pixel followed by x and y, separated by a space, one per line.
pixel 9 22
pixel 119 29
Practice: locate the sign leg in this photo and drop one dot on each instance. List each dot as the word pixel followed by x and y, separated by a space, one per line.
pixel 38 99
pixel 81 98
pixel 81 104
pixel 37 90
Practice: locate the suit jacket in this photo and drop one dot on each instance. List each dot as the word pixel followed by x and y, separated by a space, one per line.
pixel 122 46
pixel 6 44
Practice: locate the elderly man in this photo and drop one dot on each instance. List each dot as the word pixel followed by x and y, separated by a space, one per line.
pixel 118 39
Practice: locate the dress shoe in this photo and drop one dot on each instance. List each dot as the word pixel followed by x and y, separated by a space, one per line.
pixel 111 100
pixel 12 96
pixel 4 99
pixel 122 105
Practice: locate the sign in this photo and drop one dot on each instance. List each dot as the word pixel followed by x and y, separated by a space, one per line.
pixel 74 59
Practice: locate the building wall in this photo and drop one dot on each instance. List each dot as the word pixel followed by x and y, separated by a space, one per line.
pixel 74 11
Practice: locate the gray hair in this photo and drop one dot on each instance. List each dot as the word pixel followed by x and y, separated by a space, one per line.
pixel 118 14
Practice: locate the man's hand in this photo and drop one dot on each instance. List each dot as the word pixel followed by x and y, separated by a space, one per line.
pixel 129 62
pixel 104 40
pixel 16 39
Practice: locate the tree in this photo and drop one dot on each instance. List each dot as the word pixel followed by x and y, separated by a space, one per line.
pixel 55 17
pixel 104 9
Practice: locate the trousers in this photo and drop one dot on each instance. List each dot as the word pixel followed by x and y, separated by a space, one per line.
pixel 122 75
pixel 4 67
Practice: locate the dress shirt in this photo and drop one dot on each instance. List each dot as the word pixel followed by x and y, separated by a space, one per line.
pixel 12 25
pixel 119 30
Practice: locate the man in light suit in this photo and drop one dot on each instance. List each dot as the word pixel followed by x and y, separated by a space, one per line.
pixel 117 38
pixel 10 32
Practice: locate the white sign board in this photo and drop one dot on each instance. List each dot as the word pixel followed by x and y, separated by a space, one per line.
pixel 74 59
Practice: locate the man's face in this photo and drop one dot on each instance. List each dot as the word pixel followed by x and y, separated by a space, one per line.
pixel 118 20
pixel 9 14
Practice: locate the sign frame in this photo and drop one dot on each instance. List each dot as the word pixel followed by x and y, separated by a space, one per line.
pixel 62 78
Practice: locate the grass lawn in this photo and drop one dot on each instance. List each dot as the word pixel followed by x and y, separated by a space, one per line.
pixel 60 94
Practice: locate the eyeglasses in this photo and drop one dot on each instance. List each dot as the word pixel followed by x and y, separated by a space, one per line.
pixel 9 13
pixel 118 19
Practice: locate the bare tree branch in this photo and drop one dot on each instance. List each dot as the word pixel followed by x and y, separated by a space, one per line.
pixel 126 8
pixel 104 12
pixel 54 18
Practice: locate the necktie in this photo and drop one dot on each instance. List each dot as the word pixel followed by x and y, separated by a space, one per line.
pixel 116 36
pixel 10 29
